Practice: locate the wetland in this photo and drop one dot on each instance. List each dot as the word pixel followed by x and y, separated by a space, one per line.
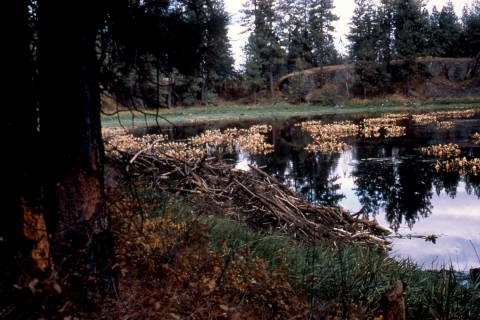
pixel 414 173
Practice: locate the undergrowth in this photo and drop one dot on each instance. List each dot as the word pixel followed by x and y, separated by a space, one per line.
pixel 174 264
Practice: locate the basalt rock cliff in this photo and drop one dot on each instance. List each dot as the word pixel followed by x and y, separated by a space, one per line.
pixel 439 78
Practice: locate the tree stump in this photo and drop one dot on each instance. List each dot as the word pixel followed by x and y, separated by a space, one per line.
pixel 392 302
pixel 474 274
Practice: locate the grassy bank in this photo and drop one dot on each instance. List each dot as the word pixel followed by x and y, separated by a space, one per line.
pixel 214 268
pixel 278 111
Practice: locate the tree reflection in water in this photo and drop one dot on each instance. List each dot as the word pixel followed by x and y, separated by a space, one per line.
pixel 312 175
pixel 397 178
pixel 402 189
pixel 316 178
pixel 472 185
pixel 447 181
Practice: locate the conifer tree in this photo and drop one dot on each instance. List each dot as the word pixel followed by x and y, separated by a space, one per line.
pixel 411 25
pixel 254 80
pixel 450 30
pixel 321 30
pixel 217 63
pixel 433 41
pixel 471 29
pixel 365 49
pixel 262 18
pixel 292 37
pixel 385 29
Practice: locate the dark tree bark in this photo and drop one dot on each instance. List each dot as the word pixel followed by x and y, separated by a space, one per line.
pixel 53 223
pixel 18 132
pixel 70 132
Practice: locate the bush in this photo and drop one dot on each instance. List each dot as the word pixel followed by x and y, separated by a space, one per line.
pixel 325 96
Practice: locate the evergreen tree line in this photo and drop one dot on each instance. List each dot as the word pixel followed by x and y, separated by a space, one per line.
pixel 177 53
pixel 293 35
pixel 286 36
pixel 155 53
pixel 402 31
pixel 158 53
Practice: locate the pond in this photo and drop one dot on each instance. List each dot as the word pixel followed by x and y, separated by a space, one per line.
pixel 418 174
pixel 393 180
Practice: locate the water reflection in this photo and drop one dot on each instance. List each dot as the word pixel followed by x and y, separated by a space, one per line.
pixel 393 181
pixel 401 188
pixel 472 185
pixel 311 174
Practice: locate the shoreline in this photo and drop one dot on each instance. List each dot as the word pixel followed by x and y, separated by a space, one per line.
pixel 266 113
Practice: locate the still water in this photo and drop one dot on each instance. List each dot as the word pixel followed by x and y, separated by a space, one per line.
pixel 392 181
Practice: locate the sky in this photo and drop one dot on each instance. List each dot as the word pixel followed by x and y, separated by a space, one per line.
pixel 343 9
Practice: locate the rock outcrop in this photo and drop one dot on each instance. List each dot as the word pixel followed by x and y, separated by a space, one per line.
pixel 439 78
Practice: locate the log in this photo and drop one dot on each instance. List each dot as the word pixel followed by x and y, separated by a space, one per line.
pixel 392 302
pixel 372 224
pixel 274 180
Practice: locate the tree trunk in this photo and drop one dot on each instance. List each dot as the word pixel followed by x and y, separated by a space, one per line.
pixel 72 148
pixel 52 207
pixel 271 83
pixel 169 93
pixel 19 243
pixel 407 94
pixel 203 92
pixel 392 302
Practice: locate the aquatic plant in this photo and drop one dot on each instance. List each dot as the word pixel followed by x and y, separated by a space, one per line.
pixel 209 143
pixel 442 151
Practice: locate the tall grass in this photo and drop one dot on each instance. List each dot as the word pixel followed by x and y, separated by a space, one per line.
pixel 347 278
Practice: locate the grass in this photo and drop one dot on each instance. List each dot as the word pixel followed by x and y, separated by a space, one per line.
pixel 344 282
pixel 269 112
pixel 354 276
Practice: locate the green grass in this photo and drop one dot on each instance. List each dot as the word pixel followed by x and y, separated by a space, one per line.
pixel 351 278
pixel 268 113
pixel 354 276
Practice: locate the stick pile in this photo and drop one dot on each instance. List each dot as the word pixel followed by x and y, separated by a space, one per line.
pixel 256 198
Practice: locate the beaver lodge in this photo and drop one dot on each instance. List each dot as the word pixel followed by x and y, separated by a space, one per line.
pixel 215 186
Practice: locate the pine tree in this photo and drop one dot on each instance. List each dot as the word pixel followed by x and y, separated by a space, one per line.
pixel 254 80
pixel 217 64
pixel 411 26
pixel 262 18
pixel 450 31
pixel 320 35
pixel 434 40
pixel 365 49
pixel 292 37
pixel 385 29
pixel 471 29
